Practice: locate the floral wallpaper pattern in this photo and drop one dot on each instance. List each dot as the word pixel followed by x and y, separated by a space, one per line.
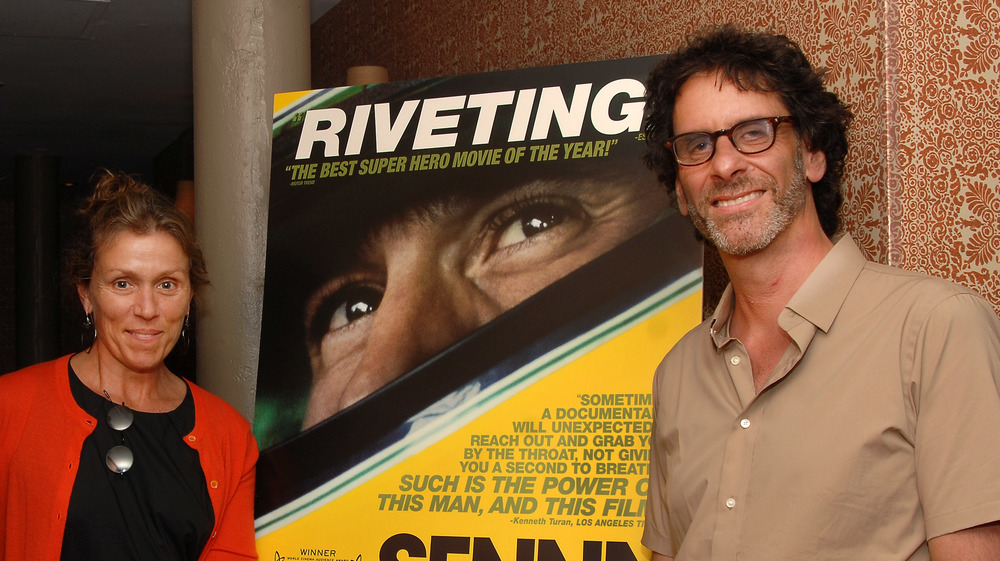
pixel 922 186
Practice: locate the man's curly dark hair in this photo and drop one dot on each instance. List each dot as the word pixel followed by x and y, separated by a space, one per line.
pixel 761 62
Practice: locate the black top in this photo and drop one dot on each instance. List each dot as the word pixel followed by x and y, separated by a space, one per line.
pixel 159 509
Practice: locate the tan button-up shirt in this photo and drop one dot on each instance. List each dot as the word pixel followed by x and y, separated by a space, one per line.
pixel 878 429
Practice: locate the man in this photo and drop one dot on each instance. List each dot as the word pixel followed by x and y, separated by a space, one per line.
pixel 831 408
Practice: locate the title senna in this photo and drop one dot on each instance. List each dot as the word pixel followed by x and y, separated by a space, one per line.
pixel 482 549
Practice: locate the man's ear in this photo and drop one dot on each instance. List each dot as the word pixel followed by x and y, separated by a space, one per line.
pixel 682 204
pixel 815 165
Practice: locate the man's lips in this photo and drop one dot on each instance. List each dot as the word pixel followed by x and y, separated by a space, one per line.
pixel 720 203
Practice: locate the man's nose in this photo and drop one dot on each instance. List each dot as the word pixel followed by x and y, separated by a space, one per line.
pixel 423 310
pixel 727 161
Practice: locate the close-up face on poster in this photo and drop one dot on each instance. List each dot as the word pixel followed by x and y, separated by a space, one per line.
pixel 469 282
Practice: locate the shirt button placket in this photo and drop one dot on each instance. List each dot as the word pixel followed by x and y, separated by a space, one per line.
pixel 737 458
pixel 732 488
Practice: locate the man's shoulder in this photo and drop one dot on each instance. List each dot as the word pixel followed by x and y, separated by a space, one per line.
pixel 915 297
pixel 885 280
pixel 696 338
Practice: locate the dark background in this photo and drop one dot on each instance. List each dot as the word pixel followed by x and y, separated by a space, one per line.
pixel 86 85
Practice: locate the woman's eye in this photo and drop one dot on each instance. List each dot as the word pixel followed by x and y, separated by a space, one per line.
pixel 529 221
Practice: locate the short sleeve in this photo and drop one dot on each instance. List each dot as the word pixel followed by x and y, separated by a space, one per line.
pixel 656 532
pixel 956 390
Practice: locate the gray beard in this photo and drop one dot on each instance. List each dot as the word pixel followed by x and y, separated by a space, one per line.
pixel 738 235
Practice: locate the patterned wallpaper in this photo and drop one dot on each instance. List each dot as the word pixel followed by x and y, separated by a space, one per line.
pixel 944 109
pixel 923 185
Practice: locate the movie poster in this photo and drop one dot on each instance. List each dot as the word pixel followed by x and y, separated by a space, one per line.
pixel 469 283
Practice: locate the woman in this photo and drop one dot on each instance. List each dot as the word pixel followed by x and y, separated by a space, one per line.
pixel 106 454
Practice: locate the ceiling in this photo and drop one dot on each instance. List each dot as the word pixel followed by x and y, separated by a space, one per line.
pixel 96 83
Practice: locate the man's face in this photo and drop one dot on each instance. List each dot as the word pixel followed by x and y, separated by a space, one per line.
pixel 423 281
pixel 743 202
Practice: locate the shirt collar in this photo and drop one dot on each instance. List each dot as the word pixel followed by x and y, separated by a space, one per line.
pixel 818 300
pixel 719 324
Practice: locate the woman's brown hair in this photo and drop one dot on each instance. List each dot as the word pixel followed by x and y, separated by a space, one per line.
pixel 120 203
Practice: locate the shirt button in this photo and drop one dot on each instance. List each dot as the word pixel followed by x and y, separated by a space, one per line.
pixel 214 484
pixel 735 360
pixel 730 502
pixel 192 438
pixel 745 423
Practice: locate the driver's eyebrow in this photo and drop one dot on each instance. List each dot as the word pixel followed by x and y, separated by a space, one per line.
pixel 423 212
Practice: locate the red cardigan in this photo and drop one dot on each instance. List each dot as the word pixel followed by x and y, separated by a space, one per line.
pixel 41 435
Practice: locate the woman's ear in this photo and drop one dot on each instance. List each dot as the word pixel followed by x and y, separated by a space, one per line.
pixel 83 291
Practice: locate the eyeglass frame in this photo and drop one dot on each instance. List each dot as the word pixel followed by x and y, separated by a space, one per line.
pixel 713 137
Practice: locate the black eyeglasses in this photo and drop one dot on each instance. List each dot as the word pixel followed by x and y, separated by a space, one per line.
pixel 120 458
pixel 749 137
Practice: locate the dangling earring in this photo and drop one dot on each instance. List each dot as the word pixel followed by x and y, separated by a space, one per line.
pixel 89 329
pixel 185 338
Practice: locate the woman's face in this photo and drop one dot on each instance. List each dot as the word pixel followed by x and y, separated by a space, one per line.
pixel 139 293
pixel 425 280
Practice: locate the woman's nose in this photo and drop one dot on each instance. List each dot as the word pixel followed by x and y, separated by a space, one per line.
pixel 145 305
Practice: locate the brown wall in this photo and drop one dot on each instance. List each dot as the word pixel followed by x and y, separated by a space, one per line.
pixel 923 184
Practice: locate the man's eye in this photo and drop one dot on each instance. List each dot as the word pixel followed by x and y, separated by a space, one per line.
pixel 340 303
pixel 753 133
pixel 530 221
pixel 167 285
pixel 121 284
pixel 352 303
pixel 695 143
pixel 701 146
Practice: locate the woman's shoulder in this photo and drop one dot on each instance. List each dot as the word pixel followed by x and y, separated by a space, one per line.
pixel 216 419
pixel 23 390
pixel 215 408
pixel 39 374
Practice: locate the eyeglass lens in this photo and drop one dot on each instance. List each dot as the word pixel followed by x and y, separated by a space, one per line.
pixel 119 459
pixel 749 137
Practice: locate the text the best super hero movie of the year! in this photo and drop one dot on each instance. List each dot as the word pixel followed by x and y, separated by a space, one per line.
pixel 584 464
pixel 306 174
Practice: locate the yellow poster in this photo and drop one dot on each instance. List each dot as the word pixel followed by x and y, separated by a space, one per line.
pixel 470 282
